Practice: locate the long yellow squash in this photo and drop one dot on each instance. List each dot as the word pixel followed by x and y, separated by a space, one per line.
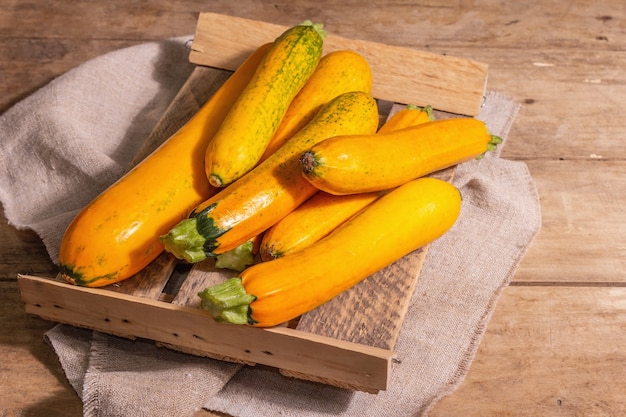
pixel 117 234
pixel 251 122
pixel 270 191
pixel 338 72
pixel 411 115
pixel 356 164
pixel 273 292
pixel 311 221
pixel 324 212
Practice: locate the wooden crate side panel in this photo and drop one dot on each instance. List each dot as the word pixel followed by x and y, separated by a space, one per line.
pixel 190 328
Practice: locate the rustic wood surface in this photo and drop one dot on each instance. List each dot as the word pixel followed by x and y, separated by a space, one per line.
pixel 554 345
pixel 402 75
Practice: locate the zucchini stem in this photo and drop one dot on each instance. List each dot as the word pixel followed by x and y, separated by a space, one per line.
pixel 428 109
pixel 236 259
pixel 319 27
pixel 492 145
pixel 228 302
pixel 185 242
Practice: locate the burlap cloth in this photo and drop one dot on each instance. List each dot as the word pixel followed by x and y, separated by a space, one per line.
pixel 69 140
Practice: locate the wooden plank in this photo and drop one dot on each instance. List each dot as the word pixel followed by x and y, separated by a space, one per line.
pixel 202 275
pixel 371 313
pixel 401 75
pixel 548 351
pixel 583 234
pixel 568 110
pixel 358 366
pixel 150 281
pixel 21 250
pixel 31 373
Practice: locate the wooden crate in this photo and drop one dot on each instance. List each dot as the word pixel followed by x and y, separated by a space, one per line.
pixel 349 341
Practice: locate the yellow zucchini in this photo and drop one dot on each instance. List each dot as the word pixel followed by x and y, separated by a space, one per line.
pixel 411 115
pixel 311 221
pixel 356 164
pixel 322 213
pixel 117 234
pixel 273 292
pixel 270 191
pixel 338 72
pixel 254 117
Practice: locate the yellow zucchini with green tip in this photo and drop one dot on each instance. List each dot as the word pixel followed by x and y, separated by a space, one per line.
pixel 117 234
pixel 357 164
pixel 270 191
pixel 274 292
pixel 411 115
pixel 251 122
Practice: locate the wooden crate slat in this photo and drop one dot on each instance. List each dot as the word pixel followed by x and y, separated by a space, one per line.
pixel 402 75
pixel 371 312
pixel 150 281
pixel 137 317
pixel 196 90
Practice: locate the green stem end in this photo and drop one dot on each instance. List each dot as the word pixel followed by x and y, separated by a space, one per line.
pixel 319 27
pixel 428 109
pixel 228 302
pixel 184 242
pixel 492 145
pixel 236 259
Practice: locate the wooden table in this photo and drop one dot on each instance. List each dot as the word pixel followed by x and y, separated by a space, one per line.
pixel 555 343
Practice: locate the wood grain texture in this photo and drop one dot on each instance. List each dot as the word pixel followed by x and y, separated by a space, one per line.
pixel 194 330
pixel 548 351
pixel 583 228
pixel 372 311
pixel 150 281
pixel 563 61
pixel 401 75
pixel 32 381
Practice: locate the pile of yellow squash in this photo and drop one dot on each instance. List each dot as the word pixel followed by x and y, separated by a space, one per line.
pixel 286 161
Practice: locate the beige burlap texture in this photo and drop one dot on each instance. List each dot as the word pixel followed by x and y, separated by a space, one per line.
pixel 79 133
